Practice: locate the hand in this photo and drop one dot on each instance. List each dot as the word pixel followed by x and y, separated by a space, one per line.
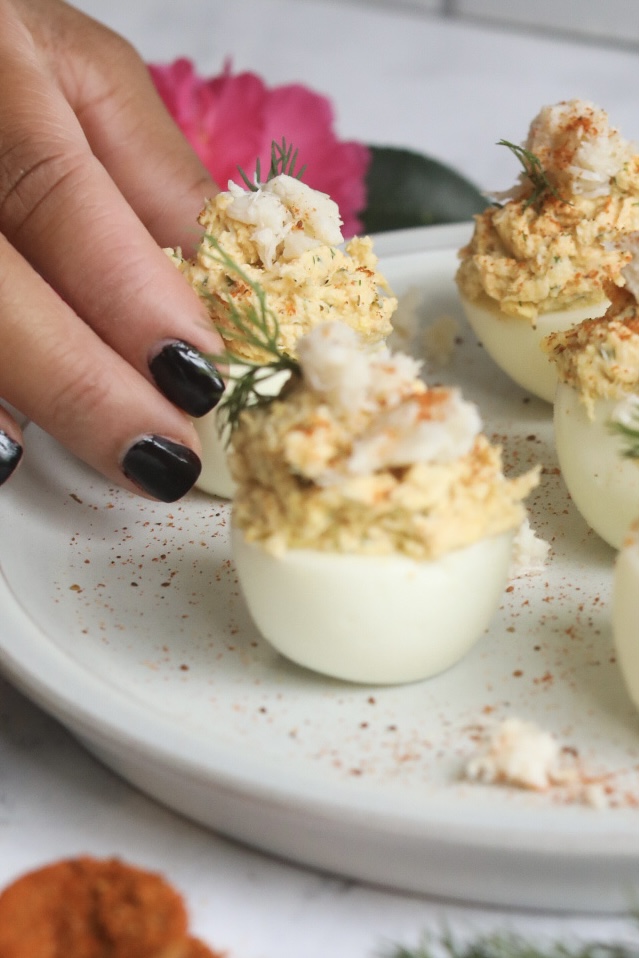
pixel 101 338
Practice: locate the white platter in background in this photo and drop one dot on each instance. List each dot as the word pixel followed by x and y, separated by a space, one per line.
pixel 123 619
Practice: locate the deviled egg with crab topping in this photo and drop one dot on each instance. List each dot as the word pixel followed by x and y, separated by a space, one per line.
pixel 540 260
pixel 372 523
pixel 597 364
pixel 286 239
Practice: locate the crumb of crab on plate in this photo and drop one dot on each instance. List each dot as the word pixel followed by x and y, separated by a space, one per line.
pixel 283 238
pixel 596 409
pixel 540 260
pixel 372 524
pixel 518 753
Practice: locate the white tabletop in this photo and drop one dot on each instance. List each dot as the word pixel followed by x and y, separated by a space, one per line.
pixel 443 88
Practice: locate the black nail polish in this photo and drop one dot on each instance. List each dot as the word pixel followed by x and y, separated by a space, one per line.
pixel 187 378
pixel 161 467
pixel 10 456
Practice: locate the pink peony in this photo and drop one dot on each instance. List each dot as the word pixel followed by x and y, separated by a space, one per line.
pixel 231 120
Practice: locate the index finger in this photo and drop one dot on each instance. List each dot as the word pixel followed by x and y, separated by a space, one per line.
pixel 61 209
pixel 125 121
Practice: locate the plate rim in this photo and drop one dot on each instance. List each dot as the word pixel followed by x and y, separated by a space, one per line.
pixel 99 734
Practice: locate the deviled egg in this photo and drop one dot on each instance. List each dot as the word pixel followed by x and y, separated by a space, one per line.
pixel 372 525
pixel 597 365
pixel 540 260
pixel 286 239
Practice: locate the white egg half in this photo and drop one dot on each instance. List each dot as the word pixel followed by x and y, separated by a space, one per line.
pixel 514 343
pixel 625 610
pixel 373 619
pixel 215 477
pixel 603 484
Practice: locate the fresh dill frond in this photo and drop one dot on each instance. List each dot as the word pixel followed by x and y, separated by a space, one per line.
pixel 253 324
pixel 283 160
pixel 535 173
pixel 626 426
pixel 511 946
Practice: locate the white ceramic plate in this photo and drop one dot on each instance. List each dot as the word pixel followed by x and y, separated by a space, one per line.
pixel 123 618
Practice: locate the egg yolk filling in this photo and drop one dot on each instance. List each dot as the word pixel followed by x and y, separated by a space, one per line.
pixel 358 455
pixel 599 358
pixel 551 245
pixel 286 237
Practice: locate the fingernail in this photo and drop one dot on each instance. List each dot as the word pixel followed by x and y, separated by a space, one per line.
pixel 10 456
pixel 161 467
pixel 187 378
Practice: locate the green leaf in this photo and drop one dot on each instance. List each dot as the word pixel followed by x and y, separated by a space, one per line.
pixel 407 189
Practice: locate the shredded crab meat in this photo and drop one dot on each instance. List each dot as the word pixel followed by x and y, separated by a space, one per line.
pixel 405 423
pixel 530 552
pixel 519 753
pixel 288 217
pixel 578 149
pixel 347 376
pixel 358 455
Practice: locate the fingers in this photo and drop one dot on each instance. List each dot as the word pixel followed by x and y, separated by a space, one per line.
pixel 84 394
pixel 11 447
pixel 130 131
pixel 132 134
pixel 128 128
pixel 103 342
pixel 60 208
pixel 127 124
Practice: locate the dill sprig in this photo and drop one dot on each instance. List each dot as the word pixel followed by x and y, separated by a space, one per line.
pixel 626 425
pixel 253 325
pixel 283 160
pixel 535 173
pixel 511 946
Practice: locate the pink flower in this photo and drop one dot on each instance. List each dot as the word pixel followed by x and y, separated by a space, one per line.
pixel 231 120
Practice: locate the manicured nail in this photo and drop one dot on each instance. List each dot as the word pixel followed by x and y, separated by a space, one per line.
pixel 187 378
pixel 10 456
pixel 161 467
